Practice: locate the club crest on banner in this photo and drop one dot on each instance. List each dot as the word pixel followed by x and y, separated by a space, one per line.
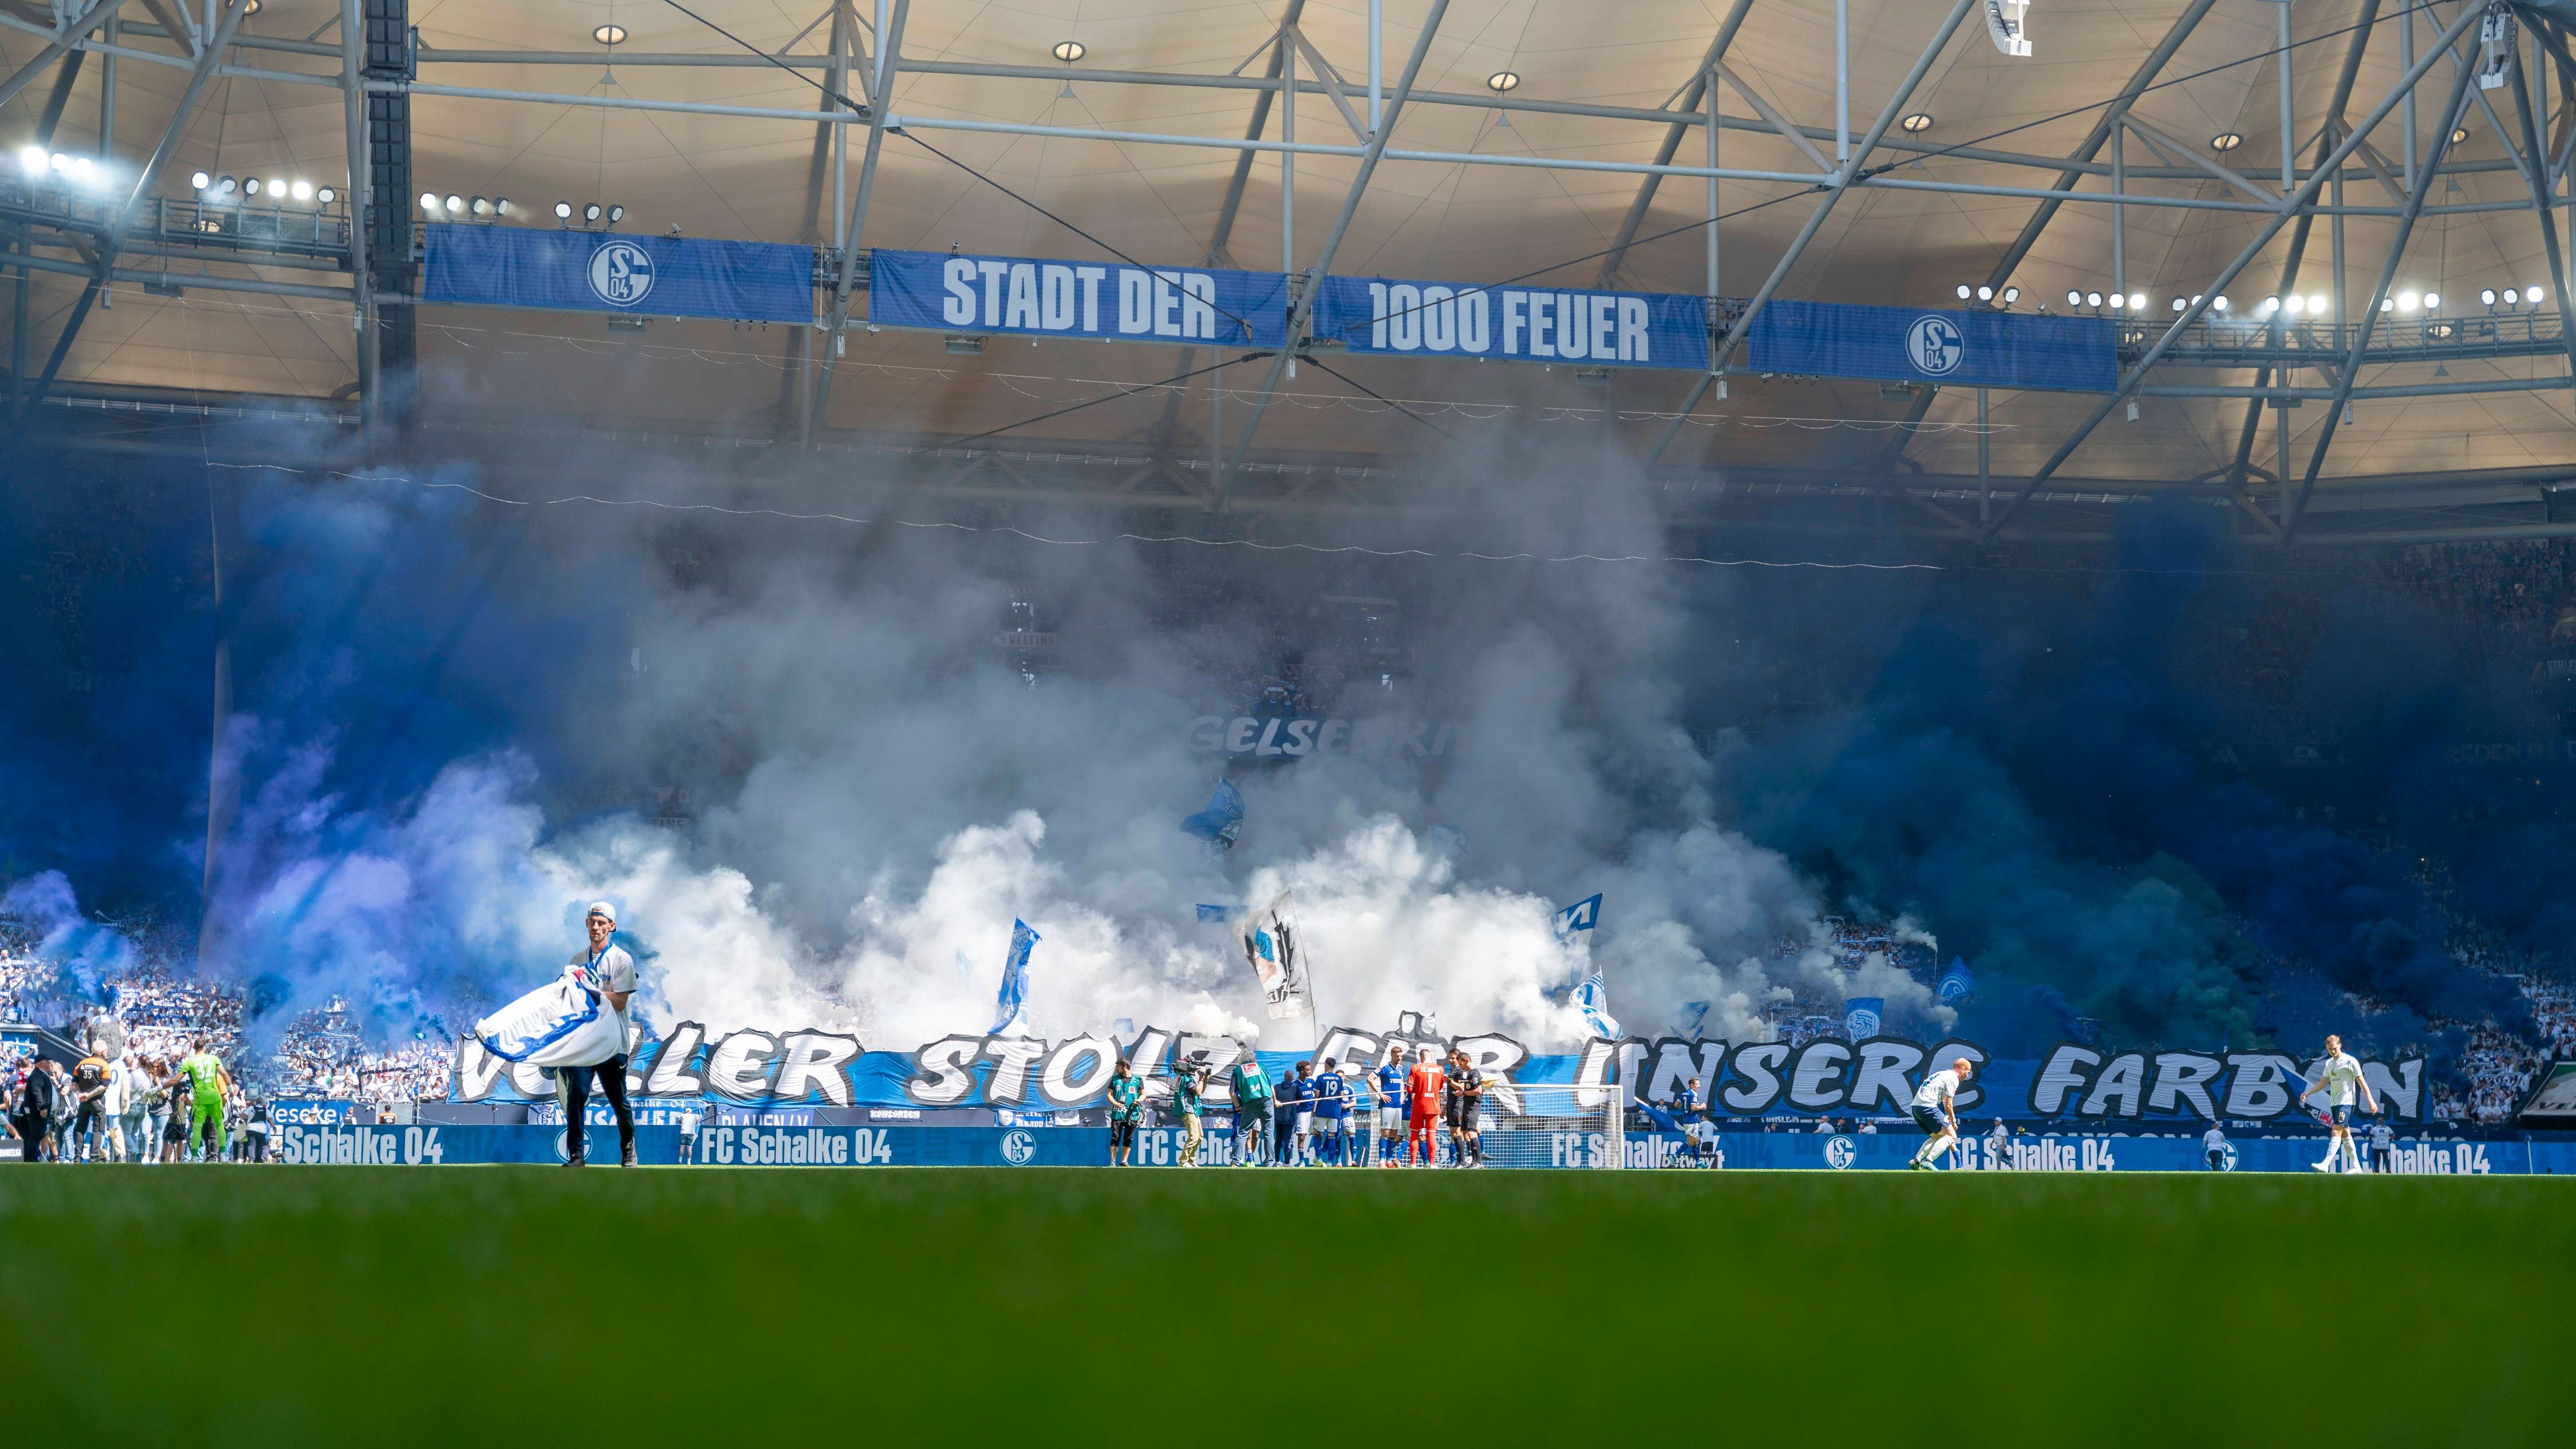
pixel 1935 345
pixel 621 273
pixel 1839 1152
pixel 1018 1147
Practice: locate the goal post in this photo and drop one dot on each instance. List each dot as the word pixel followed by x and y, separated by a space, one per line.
pixel 1555 1124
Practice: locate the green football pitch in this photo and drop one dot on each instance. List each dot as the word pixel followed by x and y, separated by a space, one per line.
pixel 219 1305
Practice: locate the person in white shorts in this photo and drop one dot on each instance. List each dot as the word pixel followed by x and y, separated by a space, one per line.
pixel 2339 1078
pixel 1936 1112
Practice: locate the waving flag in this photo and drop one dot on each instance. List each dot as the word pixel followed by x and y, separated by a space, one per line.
pixel 1270 948
pixel 1013 998
pixel 1223 816
pixel 1583 915
pixel 1593 999
pixel 1862 1015
pixel 1956 982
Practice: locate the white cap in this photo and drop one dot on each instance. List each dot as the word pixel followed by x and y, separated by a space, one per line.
pixel 601 908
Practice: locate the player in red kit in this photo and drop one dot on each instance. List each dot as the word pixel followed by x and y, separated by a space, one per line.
pixel 1426 1085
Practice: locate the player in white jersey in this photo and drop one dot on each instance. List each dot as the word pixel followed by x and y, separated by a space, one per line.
pixel 1936 1112
pixel 2339 1078
pixel 2383 1146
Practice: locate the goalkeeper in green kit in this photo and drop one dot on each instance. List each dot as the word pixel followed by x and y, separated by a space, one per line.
pixel 207 1084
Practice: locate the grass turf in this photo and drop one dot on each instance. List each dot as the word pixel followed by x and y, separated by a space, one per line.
pixel 515 1305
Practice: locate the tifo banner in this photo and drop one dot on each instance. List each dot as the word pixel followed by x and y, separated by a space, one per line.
pixel 1516 323
pixel 1956 349
pixel 1827 1077
pixel 584 271
pixel 1101 301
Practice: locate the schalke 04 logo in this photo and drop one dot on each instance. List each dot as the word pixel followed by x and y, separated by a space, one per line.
pixel 621 273
pixel 1018 1147
pixel 1839 1152
pixel 1933 344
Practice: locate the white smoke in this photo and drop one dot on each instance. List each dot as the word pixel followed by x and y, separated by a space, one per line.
pixel 883 795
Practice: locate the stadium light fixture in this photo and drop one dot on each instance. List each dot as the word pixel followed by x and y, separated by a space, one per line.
pixel 1964 293
pixel 616 214
pixel 326 196
pixel 277 188
pixel 2406 301
pixel 2011 295
pixel 455 205
pixel 1503 80
pixel 301 191
pixel 2432 301
pixel 2179 304
pixel 2487 296
pixel 563 211
pixel 500 206
pixel 2268 306
pixel 226 186
pixel 2459 134
pixel 250 186
pixel 429 202
pixel 2074 299
pixel 1070 51
pixel 2534 295
pixel 31 159
pixel 2316 304
pixel 2226 141
pixel 1917 124
pixel 2387 304
pixel 590 212
pixel 480 206
pixel 199 181
pixel 2092 299
pixel 1985 294
pixel 2295 305
pixel 610 35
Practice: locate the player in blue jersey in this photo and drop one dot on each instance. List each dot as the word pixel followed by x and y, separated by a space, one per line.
pixel 1332 1106
pixel 1390 1110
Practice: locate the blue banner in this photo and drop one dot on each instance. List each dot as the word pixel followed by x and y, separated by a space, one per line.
pixel 1514 323
pixel 1955 349
pixel 583 271
pixel 1101 301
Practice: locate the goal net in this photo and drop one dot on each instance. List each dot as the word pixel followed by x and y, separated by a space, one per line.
pixel 1552 1124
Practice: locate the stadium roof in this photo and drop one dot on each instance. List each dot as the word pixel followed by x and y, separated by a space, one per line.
pixel 1002 151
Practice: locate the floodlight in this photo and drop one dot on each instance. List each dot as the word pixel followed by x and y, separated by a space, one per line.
pixel 1985 294
pixel 2387 304
pixel 610 35
pixel 429 201
pixel 2459 134
pixel 1916 124
pixel 2011 295
pixel 31 159
pixel 277 187
pixel 616 214
pixel 563 211
pixel 2294 306
pixel 455 204
pixel 2406 301
pixel 500 206
pixel 1070 51
pixel 2317 303
pixel 2487 296
pixel 2534 295
pixel 1963 291
pixel 2432 301
pixel 2179 304
pixel 2218 303
pixel 480 206
pixel 250 186
pixel 2118 302
pixel 2075 299
pixel 302 191
pixel 590 212
pixel 2092 299
pixel 2269 305
pixel 226 186
pixel 1503 80
pixel 2226 141
pixel 2137 301
pixel 199 181
pixel 61 162
pixel 326 196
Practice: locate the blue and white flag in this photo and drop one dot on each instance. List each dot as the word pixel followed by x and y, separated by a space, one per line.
pixel 1583 915
pixel 1270 947
pixel 1956 982
pixel 1862 1015
pixel 1592 998
pixel 1100 301
pixel 1218 823
pixel 587 271
pixel 1014 996
pixel 1209 914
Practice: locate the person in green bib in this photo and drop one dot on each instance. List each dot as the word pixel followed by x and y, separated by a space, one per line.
pixel 1126 1097
pixel 1251 1109
pixel 207 1083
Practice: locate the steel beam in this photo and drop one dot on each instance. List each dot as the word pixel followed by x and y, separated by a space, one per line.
pixel 1305 305
pixel 353 37
pixel 2344 80
pixel 1692 95
pixel 70 36
pixel 2306 194
pixel 889 61
pixel 2451 112
pixel 2537 173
